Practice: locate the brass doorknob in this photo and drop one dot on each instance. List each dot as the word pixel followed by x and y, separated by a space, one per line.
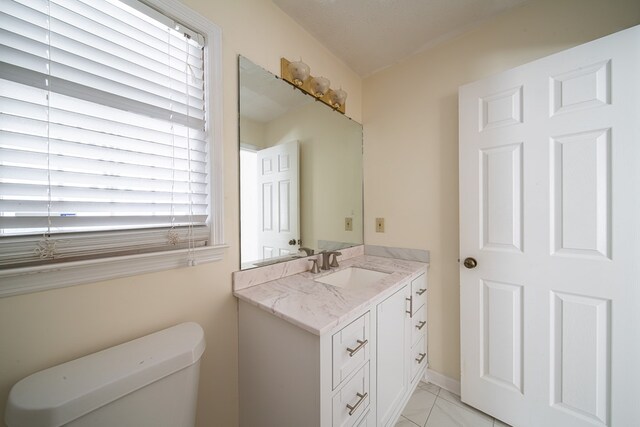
pixel 470 263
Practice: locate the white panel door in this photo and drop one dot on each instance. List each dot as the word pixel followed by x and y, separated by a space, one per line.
pixel 549 209
pixel 278 183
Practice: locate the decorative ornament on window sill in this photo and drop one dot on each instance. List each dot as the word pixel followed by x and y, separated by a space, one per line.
pixel 173 238
pixel 46 248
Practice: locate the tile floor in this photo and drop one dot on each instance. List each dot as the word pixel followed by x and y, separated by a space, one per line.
pixel 432 406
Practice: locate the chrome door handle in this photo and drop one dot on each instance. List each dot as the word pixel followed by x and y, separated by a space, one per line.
pixel 470 263
pixel 420 291
pixel 421 325
pixel 361 344
pixel 410 312
pixel 353 408
pixel 421 358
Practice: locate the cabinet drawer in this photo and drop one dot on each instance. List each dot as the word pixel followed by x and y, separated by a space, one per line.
pixel 419 292
pixel 352 400
pixel 418 356
pixel 350 348
pixel 418 324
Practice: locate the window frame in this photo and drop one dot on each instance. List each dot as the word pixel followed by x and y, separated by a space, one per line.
pixel 22 280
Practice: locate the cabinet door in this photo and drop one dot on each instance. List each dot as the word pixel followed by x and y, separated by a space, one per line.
pixel 392 353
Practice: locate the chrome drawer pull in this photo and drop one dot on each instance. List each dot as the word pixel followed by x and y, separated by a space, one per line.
pixel 361 344
pixel 410 312
pixel 421 291
pixel 353 408
pixel 421 325
pixel 421 358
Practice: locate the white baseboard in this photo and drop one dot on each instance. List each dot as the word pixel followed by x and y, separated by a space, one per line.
pixel 442 381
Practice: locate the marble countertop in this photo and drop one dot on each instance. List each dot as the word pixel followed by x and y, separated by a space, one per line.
pixel 318 307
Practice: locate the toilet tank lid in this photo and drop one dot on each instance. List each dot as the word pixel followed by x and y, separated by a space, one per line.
pixel 63 393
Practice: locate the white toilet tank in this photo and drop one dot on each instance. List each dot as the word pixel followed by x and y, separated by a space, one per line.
pixel 150 381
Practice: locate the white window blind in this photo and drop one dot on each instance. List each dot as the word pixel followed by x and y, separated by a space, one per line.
pixel 103 138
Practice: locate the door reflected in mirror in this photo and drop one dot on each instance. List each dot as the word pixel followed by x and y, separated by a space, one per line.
pixel 300 172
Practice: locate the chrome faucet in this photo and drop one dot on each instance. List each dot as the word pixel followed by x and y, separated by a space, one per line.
pixel 326 265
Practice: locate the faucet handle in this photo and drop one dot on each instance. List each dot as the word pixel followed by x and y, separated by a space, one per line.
pixel 334 263
pixel 314 268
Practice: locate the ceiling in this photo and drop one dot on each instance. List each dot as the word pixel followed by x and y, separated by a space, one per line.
pixel 369 35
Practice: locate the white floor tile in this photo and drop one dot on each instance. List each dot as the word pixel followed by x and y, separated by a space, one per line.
pixel 451 397
pixel 419 406
pixel 454 398
pixel 448 414
pixel 403 422
pixel 429 387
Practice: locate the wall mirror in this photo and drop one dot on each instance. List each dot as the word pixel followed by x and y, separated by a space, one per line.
pixel 300 172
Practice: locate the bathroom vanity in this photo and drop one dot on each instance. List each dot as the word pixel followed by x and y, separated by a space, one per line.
pixel 348 353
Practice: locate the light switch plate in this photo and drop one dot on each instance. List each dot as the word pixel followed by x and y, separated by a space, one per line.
pixel 348 224
pixel 379 225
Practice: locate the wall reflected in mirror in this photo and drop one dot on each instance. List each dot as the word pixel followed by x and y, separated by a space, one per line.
pixel 300 172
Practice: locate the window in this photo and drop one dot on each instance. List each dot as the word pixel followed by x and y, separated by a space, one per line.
pixel 107 145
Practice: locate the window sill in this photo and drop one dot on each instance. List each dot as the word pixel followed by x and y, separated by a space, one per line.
pixel 33 279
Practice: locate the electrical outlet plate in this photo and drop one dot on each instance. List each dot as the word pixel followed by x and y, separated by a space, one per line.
pixel 380 225
pixel 348 224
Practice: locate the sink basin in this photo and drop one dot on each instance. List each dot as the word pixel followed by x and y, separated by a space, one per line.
pixel 352 277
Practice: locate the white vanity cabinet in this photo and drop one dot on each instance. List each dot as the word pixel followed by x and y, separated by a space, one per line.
pixel 359 373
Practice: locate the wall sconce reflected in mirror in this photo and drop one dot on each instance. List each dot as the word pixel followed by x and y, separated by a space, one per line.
pixel 298 74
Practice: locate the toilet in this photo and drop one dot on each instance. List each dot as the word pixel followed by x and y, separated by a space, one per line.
pixel 150 381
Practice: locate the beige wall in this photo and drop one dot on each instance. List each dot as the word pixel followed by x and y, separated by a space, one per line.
pixel 252 132
pixel 411 136
pixel 42 329
pixel 330 171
